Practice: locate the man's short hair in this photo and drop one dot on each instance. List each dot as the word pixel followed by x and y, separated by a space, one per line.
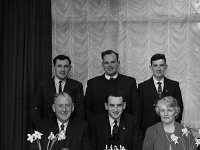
pixel 157 57
pixel 61 57
pixel 108 52
pixel 114 93
pixel 63 94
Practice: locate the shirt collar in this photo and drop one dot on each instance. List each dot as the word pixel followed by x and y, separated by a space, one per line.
pixel 108 77
pixel 111 120
pixel 60 123
pixel 56 80
pixel 156 81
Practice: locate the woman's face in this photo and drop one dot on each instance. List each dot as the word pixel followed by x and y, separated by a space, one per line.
pixel 167 114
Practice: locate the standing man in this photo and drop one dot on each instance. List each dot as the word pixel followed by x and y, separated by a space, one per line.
pixel 155 88
pixel 98 87
pixel 115 128
pixel 43 100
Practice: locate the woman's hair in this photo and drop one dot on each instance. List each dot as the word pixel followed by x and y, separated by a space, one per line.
pixel 168 101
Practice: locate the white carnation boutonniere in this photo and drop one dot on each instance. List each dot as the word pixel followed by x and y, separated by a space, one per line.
pixel 174 138
pixel 185 131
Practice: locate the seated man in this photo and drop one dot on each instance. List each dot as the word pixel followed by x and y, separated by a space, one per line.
pixel 115 128
pixel 76 131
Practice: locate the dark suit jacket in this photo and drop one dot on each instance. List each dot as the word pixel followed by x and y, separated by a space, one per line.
pixel 148 96
pixel 96 93
pixel 44 98
pixel 77 135
pixel 129 132
pixel 155 138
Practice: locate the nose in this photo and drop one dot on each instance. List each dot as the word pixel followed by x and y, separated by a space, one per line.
pixel 115 108
pixel 64 109
pixel 62 68
pixel 165 113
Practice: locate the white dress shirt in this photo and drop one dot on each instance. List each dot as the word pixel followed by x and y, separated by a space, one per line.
pixel 56 81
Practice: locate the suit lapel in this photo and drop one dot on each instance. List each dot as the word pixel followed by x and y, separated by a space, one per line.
pixel 153 90
pixel 69 132
pixel 105 130
pixel 161 133
pixel 122 129
pixel 166 87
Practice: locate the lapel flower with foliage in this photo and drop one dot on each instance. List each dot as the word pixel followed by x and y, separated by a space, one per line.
pixel 185 131
pixel 52 138
pixel 197 142
pixel 174 138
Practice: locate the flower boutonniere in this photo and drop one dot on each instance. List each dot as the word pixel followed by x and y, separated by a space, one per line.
pixel 185 131
pixel 174 138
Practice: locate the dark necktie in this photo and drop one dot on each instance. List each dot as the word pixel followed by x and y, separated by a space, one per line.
pixel 111 78
pixel 60 87
pixel 62 127
pixel 159 89
pixel 115 129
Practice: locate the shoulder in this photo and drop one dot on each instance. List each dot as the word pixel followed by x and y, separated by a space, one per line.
pixel 99 118
pixel 146 82
pixel 130 117
pixel 46 81
pixel 80 123
pixel 154 128
pixel 170 81
pixel 122 76
pixel 97 78
pixel 74 82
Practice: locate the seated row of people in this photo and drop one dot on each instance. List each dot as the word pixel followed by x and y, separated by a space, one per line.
pixel 116 129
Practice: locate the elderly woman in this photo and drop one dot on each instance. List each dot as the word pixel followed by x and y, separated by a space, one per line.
pixel 168 134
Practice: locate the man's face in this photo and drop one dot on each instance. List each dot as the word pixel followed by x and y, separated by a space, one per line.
pixel 110 64
pixel 158 68
pixel 62 68
pixel 63 107
pixel 115 107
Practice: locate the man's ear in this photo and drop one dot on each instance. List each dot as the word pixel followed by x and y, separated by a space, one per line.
pixel 106 106
pixel 166 66
pixel 72 107
pixel 150 67
pixel 53 107
pixel 124 105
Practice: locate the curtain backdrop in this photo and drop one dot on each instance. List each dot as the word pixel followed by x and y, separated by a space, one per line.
pixel 25 44
pixel 136 29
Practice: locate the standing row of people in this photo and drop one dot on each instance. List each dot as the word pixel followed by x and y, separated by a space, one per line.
pixel 111 97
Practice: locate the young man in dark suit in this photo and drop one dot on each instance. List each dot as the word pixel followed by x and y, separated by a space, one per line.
pixel 155 88
pixel 97 87
pixel 115 128
pixel 45 92
pixel 76 131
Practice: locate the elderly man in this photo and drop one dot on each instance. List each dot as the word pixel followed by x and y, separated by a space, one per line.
pixel 76 131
